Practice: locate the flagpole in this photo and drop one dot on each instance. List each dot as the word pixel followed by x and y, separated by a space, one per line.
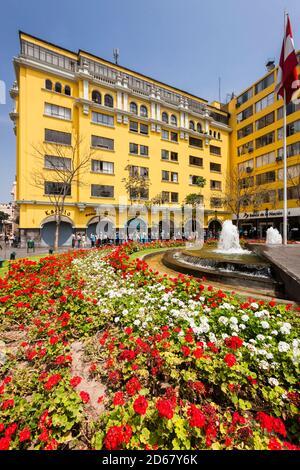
pixel 284 160
pixel 284 174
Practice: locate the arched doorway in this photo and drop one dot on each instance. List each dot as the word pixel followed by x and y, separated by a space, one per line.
pixel 192 229
pixel 166 229
pixel 136 229
pixel 48 227
pixel 104 228
pixel 214 228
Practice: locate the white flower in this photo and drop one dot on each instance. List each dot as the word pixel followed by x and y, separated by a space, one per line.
pixel 234 320
pixel 245 318
pixel 265 325
pixel 137 322
pixel 286 328
pixel 283 347
pixel 260 337
pixel 273 381
pixel 263 365
pixel 274 332
pixel 223 320
pixel 125 312
pixel 117 319
pixel 254 305
pixel 242 326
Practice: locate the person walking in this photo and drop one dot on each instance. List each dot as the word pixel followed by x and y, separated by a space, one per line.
pixel 83 241
pixel 92 238
pixel 78 240
pixel 73 240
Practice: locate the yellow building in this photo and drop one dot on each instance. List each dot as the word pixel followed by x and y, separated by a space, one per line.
pixel 256 153
pixel 76 102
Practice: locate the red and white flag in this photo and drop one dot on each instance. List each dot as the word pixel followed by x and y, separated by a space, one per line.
pixel 287 76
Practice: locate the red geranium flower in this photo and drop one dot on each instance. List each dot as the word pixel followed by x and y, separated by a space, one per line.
pixel 24 435
pixel 4 443
pixel 133 386
pixel 274 444
pixel 140 405
pixel 118 399
pixel 74 381
pixel 230 360
pixel 85 397
pixel 197 418
pixel 116 436
pixel 52 381
pixel 165 408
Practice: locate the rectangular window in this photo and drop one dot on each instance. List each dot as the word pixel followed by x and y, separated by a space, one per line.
pixel 214 150
pixel 290 109
pixel 246 166
pixel 144 150
pixel 57 137
pixel 174 177
pixel 100 190
pixel 246 182
pixel 102 142
pixel 265 139
pixel 165 175
pixel 264 83
pixel 102 167
pixel 246 148
pixel 55 188
pixel 174 157
pixel 216 202
pixel 100 118
pixel 165 154
pixel 215 185
pixel 165 134
pixel 142 193
pixel 265 120
pixel 215 167
pixel 174 197
pixel 144 129
pixel 264 102
pixel 174 136
pixel 57 111
pixel 291 150
pixel 293 171
pixel 244 131
pixel 194 179
pixel 139 171
pixel 244 97
pixel 245 114
pixel 134 148
pixel 165 196
pixel 57 163
pixel 265 159
pixel 133 126
pixel 293 128
pixel 268 177
pixel 292 193
pixel 194 142
pixel 196 161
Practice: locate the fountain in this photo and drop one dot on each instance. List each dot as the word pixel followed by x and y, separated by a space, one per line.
pixel 273 237
pixel 229 264
pixel 229 242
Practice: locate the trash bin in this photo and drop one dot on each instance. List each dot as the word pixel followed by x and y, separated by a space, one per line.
pixel 50 251
pixel 1 262
pixel 30 245
pixel 13 255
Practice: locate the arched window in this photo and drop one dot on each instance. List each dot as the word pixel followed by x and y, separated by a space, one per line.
pixel 96 96
pixel 199 127
pixel 48 84
pixel 173 120
pixel 192 125
pixel 165 117
pixel 108 101
pixel 210 132
pixel 67 90
pixel 219 135
pixel 58 87
pixel 143 111
pixel 215 134
pixel 133 108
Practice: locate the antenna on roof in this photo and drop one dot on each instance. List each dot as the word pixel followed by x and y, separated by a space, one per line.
pixel 116 53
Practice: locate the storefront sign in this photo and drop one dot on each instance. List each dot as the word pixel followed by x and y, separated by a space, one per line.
pixel 55 212
pixel 295 211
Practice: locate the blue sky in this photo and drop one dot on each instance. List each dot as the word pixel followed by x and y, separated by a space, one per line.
pixel 186 43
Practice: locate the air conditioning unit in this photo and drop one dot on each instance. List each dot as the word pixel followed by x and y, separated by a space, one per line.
pixel 249 169
pixel 237 104
pixel 279 159
pixel 250 149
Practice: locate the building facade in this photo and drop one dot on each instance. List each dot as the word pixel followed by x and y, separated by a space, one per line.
pixel 69 105
pixel 256 154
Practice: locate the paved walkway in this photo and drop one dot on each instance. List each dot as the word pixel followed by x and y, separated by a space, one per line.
pixel 286 257
pixel 23 253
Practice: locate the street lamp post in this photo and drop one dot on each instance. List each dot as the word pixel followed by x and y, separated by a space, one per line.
pixel 267 214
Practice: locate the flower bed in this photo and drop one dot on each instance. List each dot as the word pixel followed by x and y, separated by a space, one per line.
pixel 165 362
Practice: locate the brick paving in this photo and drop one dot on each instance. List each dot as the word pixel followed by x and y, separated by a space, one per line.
pixel 286 257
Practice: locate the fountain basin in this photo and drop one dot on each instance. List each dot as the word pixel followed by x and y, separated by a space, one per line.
pixel 242 270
